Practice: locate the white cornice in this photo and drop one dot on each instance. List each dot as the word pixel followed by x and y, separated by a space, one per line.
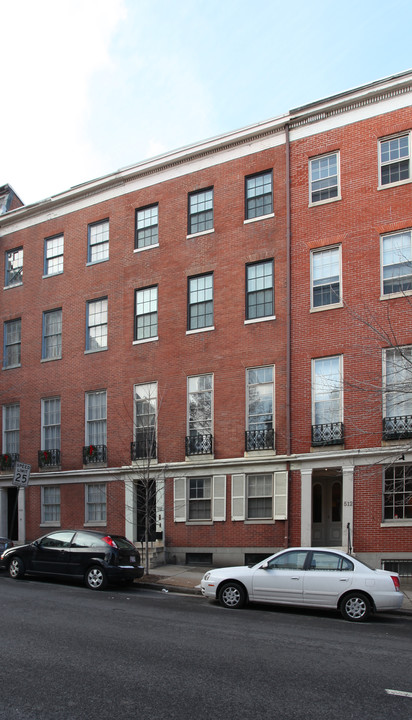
pixel 345 108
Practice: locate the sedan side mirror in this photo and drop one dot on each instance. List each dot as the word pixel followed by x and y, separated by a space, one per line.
pixel 264 566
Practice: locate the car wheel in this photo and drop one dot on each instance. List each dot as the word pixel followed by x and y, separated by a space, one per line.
pixel 355 607
pixel 232 595
pixel 96 578
pixel 16 568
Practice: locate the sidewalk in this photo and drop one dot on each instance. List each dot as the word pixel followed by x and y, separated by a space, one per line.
pixel 186 579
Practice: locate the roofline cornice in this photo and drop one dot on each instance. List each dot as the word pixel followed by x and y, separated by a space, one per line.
pixel 312 113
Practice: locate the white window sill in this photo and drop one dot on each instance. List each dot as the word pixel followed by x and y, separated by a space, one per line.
pixel 199 458
pixel 49 275
pixel 260 522
pixel 395 184
pixel 396 523
pixel 325 202
pixel 98 350
pixel 12 285
pixel 332 306
pixel 46 360
pixel 259 453
pixel 199 522
pixel 200 330
pixel 50 524
pixel 259 217
pixel 199 234
pixel 389 296
pixel 146 247
pixel 259 320
pixel 146 340
pixel 11 367
pixel 96 523
pixel 96 262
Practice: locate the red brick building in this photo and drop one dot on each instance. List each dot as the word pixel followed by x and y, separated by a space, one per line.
pixel 208 326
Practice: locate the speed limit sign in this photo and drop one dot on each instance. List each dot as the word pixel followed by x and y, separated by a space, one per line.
pixel 21 474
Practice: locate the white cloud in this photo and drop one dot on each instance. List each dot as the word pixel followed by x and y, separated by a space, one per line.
pixel 51 51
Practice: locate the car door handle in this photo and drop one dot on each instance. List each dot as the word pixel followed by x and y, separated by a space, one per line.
pixel 343 579
pixel 295 578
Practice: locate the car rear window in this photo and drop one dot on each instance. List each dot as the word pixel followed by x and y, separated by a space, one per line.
pixel 86 540
pixel 122 542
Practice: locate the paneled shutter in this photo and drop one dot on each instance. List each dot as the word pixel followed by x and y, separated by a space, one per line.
pixel 238 497
pixel 179 499
pixel 219 497
pixel 281 495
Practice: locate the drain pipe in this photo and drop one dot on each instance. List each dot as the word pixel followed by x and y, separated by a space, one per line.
pixel 288 319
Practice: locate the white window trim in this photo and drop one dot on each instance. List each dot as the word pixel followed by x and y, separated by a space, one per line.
pixel 212 390
pixel 87 395
pixel 217 500
pixel 93 523
pixel 279 495
pixel 313 362
pixel 403 293
pixel 328 200
pixel 198 234
pixel 43 400
pixel 256 367
pixel 400 182
pixel 384 363
pixel 147 247
pixel 260 217
pixel 332 305
pixel 50 523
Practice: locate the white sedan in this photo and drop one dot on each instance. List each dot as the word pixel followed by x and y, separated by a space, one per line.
pixel 307 577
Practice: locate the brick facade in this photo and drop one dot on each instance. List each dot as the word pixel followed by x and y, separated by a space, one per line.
pixel 287 340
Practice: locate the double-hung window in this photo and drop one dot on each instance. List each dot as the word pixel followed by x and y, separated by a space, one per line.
pixel 96 418
pixel 53 255
pixel 397 399
pixel 95 502
pixel 50 505
pixel 145 418
pixel 324 178
pixel 200 302
pixel 96 324
pixel 397 493
pixel 396 262
pixel 51 423
pixel 14 267
pixel 259 195
pixel 326 277
pixel 98 242
pixel 200 214
pixel 11 429
pixel 260 386
pixel 12 343
pixel 199 440
pixel 146 314
pixel 327 401
pixel 260 497
pixel 200 498
pixel 147 227
pixel 260 290
pixel 52 335
pixel 394 160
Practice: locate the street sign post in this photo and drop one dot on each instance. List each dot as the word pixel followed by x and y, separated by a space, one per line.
pixel 21 474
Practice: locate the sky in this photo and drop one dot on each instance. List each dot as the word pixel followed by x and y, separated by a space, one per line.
pixel 92 86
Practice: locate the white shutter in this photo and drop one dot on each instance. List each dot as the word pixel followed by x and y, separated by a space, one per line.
pixel 179 499
pixel 219 497
pixel 281 496
pixel 238 497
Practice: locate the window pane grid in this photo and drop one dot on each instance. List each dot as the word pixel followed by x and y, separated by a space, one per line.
pixel 201 302
pixel 96 409
pixel 147 230
pixel 260 398
pixel 51 504
pixel 99 242
pixel 52 334
pixel 97 324
pixel 146 313
pixel 12 343
pixel 260 290
pixel 14 266
pixel 54 255
pixel 397 262
pixel 201 211
pixel 96 503
pixel 200 405
pixel 200 499
pixel 326 277
pixel 11 430
pixel 327 391
pixel 260 497
pixel 397 495
pixel 395 159
pixel 324 178
pixel 259 199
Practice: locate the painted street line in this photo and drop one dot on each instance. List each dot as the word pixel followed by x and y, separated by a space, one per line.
pixel 402 693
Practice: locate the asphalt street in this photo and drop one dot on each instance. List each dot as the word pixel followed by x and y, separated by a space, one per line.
pixel 68 653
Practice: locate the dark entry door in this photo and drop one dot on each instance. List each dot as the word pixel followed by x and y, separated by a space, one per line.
pixel 327 512
pixel 146 505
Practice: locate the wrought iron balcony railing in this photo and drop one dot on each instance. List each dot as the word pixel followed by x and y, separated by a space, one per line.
pixel 328 434
pixel 49 458
pixel 199 445
pixel 94 454
pixel 260 440
pixel 144 447
pixel 397 428
pixel 8 460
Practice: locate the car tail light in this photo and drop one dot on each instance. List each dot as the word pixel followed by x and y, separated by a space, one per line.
pixel 109 541
pixel 396 582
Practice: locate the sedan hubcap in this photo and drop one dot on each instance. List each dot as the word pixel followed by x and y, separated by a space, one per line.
pixel 14 568
pixel 355 607
pixel 95 578
pixel 231 596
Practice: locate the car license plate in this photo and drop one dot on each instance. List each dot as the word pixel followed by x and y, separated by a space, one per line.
pixel 132 558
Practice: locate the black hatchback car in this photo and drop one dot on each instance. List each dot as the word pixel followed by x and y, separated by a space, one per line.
pixel 96 557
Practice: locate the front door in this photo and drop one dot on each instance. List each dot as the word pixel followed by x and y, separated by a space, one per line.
pixel 327 512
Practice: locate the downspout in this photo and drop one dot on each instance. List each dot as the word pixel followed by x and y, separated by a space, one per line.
pixel 288 321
